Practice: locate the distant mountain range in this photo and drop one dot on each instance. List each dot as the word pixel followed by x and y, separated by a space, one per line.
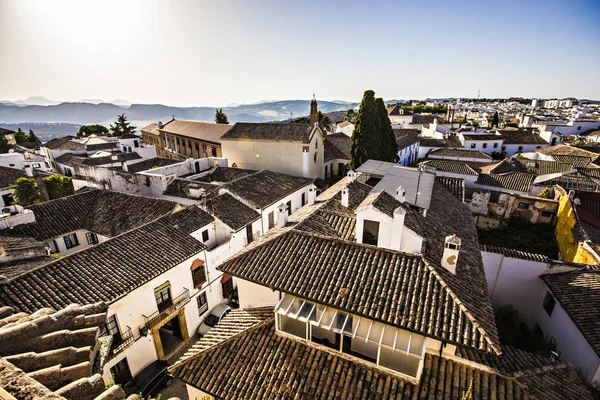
pixel 44 111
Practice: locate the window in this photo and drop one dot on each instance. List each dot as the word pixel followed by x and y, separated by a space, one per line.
pixel 199 276
pixel 472 145
pixel 197 149
pixel 579 128
pixel 249 235
pixel 271 220
pixel 112 328
pixel 204 151
pixel 485 145
pixel 503 148
pixel 214 151
pixel 289 207
pixel 136 143
pixel 303 198
pixel 520 148
pixel 202 303
pixel 523 206
pixel 494 197
pixel 205 235
pixel 162 294
pixel 341 169
pixel 370 232
pixel 121 372
pixel 326 171
pixel 91 237
pixel 549 303
pixel 495 145
pixel 71 240
pixel 547 214
pixel 227 288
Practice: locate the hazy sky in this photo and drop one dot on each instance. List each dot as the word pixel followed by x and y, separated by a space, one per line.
pixel 221 52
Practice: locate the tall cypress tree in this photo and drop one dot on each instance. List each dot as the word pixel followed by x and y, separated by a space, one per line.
pixel 366 143
pixel 388 139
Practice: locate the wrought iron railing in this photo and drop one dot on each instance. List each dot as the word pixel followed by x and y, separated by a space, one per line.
pixel 158 316
pixel 126 341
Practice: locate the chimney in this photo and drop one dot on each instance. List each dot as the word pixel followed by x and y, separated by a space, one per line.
pixel 312 194
pixel 397 228
pixel 282 215
pixel 351 176
pixel 345 196
pixel 400 194
pixel 451 250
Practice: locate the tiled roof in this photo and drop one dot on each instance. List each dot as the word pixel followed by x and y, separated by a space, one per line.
pixel 9 176
pixel 269 131
pixel 74 159
pixel 351 277
pixel 578 293
pixel 456 167
pixel 337 145
pixel 151 129
pixel 4 131
pixel 264 188
pixel 420 119
pixel 103 212
pixel 11 269
pixel 512 181
pixel 395 110
pixel 432 142
pixel 456 186
pixel 460 153
pixel 231 211
pixel 541 167
pixel 197 130
pixel 102 146
pixel 521 136
pixel 121 264
pixel 48 354
pixel 482 136
pixel 224 174
pixel 510 361
pixel 406 137
pixel 576 161
pixel 234 323
pixel 512 253
pixel 249 364
pixel 56 143
pixel 180 187
pixel 150 163
pixel 567 151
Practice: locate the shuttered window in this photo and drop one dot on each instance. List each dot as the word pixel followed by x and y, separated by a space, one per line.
pixel 202 303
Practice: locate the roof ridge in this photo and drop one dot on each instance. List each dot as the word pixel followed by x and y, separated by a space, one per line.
pixel 463 307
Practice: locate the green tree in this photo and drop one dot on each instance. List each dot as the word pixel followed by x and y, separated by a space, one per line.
pixel 388 139
pixel 324 120
pixel 220 117
pixel 495 120
pixel 95 129
pixel 367 132
pixel 59 186
pixel 349 115
pixel 122 126
pixel 4 146
pixel 26 192
pixel 32 138
pixel 20 136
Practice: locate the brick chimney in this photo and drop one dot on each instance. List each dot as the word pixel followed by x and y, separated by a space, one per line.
pixel 345 196
pixel 451 250
pixel 282 215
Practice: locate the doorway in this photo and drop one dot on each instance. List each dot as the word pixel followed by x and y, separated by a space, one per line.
pixel 121 373
pixel 197 167
pixel 170 335
pixel 249 233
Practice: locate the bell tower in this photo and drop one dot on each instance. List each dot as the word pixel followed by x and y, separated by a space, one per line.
pixel 314 112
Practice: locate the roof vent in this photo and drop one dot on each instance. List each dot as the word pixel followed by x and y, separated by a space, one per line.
pixel 312 194
pixel 400 194
pixel 451 250
pixel 351 176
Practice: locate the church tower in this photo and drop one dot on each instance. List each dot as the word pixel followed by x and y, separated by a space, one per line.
pixel 314 112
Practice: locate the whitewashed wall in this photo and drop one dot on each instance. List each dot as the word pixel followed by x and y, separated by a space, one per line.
pixel 253 295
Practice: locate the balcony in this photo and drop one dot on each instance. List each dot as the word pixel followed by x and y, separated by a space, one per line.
pixel 158 318
pixel 115 344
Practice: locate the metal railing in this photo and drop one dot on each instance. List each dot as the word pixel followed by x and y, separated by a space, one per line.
pixel 158 316
pixel 126 341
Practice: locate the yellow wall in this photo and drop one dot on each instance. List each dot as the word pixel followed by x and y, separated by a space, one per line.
pixel 570 249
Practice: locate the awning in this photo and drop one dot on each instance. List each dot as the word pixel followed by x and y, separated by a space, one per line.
pixel 196 264
pixel 225 278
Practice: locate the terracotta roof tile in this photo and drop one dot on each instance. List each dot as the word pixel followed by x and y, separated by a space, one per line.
pixel 269 131
pixel 512 181
pixel 455 167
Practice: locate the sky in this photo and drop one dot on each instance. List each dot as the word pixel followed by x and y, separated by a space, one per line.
pixel 210 53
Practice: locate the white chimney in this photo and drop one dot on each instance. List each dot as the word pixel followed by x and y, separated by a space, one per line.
pixel 312 194
pixel 400 194
pixel 397 228
pixel 282 215
pixel 451 250
pixel 345 196
pixel 28 171
pixel 351 176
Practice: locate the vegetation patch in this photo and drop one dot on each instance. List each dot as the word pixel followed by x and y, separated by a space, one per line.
pixel 522 235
